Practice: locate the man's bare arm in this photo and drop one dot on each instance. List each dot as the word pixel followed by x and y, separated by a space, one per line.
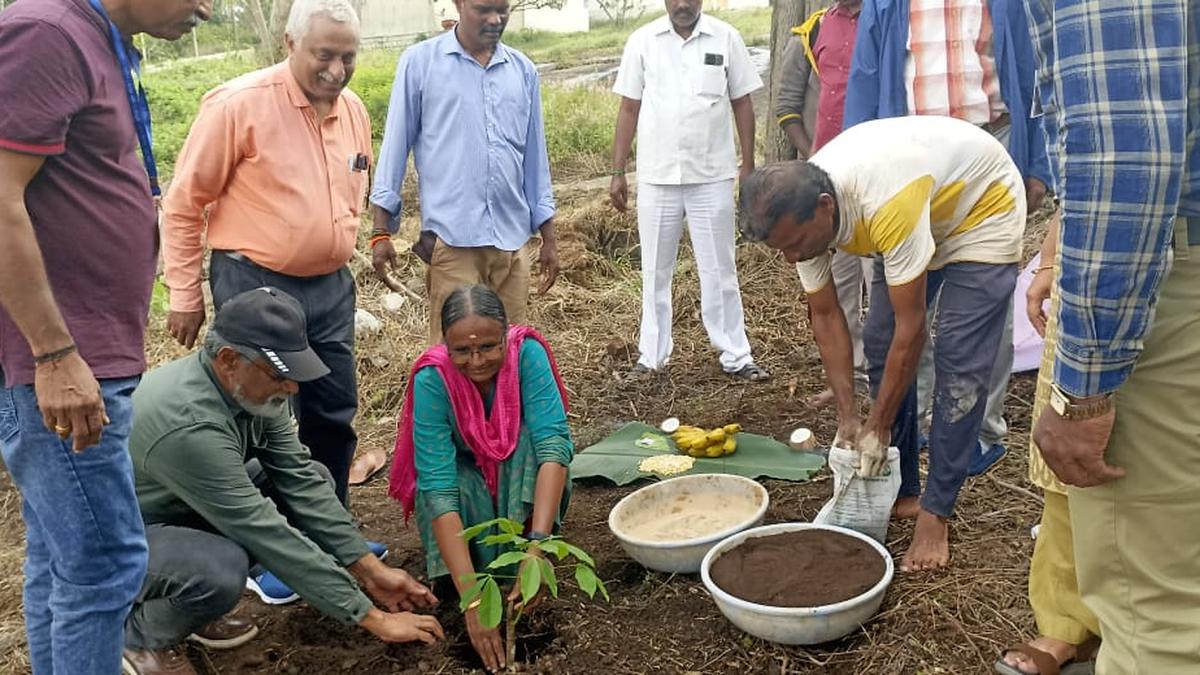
pixel 68 393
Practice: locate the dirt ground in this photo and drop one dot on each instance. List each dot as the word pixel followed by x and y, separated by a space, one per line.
pixel 951 621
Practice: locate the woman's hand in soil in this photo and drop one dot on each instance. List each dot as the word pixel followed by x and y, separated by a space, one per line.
pixel 486 641
pixel 514 596
pixel 403 627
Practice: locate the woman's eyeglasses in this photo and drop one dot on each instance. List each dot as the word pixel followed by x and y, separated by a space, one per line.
pixel 486 351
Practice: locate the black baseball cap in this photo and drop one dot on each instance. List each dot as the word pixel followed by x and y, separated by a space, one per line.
pixel 269 322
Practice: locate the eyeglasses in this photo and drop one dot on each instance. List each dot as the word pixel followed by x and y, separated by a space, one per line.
pixel 261 365
pixel 463 354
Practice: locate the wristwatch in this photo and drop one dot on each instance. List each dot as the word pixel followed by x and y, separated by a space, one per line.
pixel 1070 408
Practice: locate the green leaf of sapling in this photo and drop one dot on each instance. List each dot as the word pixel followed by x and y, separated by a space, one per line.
pixel 492 607
pixel 548 575
pixel 506 559
pixel 531 581
pixel 586 578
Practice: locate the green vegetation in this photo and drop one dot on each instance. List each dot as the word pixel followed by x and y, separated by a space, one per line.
pixel 579 121
pixel 534 569
pixel 607 39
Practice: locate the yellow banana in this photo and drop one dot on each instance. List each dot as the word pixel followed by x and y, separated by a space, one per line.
pixel 684 430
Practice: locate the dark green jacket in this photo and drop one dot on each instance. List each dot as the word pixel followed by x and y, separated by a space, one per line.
pixel 190 442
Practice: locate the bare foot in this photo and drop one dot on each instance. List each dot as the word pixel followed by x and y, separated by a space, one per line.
pixel 1061 651
pixel 822 399
pixel 906 508
pixel 930 547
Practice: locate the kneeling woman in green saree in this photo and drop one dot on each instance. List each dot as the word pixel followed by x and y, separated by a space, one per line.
pixel 483 434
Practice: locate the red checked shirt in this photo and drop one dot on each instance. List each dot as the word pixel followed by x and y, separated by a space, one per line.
pixel 833 51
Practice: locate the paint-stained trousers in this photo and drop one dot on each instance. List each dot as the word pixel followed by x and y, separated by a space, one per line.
pixel 994 428
pixel 973 304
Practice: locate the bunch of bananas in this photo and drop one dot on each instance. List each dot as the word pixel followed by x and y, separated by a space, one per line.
pixel 697 442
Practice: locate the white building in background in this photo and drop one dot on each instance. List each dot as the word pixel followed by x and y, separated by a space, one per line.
pixel 392 21
pixel 399 21
pixel 639 7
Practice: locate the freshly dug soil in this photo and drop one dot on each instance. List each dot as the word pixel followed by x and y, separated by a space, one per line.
pixel 807 568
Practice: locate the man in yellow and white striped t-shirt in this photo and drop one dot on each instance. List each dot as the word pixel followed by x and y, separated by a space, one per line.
pixel 940 205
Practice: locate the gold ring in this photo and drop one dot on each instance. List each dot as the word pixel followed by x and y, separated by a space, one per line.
pixel 62 429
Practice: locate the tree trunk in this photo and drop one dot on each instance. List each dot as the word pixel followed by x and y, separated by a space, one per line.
pixel 279 16
pixel 261 28
pixel 785 14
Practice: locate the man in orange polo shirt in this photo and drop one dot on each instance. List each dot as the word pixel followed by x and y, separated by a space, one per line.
pixel 274 171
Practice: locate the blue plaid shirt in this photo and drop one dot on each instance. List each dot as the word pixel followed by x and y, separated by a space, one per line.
pixel 1115 84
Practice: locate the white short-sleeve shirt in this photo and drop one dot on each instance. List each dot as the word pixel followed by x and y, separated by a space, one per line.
pixel 685 128
pixel 923 192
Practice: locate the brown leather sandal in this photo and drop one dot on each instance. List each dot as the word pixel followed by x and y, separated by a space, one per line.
pixel 1045 662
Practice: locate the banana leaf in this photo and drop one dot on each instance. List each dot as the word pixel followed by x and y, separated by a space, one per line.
pixel 616 458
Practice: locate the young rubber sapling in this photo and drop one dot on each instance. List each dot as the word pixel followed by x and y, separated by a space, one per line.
pixel 535 569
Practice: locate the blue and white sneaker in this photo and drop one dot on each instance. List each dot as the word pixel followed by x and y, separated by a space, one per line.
pixel 270 589
pixel 380 550
pixel 984 459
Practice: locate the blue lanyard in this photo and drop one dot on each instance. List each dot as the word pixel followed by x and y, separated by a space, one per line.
pixel 138 104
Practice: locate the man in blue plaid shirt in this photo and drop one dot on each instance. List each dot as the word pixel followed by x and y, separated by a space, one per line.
pixel 1120 87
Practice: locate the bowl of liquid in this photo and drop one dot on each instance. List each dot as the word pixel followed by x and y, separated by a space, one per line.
pixel 669 526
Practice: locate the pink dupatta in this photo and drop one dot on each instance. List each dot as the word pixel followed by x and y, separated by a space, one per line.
pixel 491 438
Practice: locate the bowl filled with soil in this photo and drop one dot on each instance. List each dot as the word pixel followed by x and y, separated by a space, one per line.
pixel 669 526
pixel 798 583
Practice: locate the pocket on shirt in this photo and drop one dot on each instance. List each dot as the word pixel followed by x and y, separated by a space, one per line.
pixel 712 82
pixel 512 118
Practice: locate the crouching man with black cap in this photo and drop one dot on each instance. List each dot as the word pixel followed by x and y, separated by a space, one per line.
pixel 223 482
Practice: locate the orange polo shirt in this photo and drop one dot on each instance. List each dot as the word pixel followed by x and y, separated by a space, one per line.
pixel 279 186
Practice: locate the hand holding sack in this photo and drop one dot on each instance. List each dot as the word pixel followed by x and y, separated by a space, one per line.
pixel 862 502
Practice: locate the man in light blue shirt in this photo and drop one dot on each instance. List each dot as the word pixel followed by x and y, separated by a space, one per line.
pixel 468 108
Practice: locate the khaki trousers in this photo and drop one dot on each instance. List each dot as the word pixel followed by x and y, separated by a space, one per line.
pixel 506 272
pixel 1137 539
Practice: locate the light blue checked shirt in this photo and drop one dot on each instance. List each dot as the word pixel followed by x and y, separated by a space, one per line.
pixel 477 141
pixel 1116 81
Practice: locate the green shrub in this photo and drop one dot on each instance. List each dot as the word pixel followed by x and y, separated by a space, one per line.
pixel 579 130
